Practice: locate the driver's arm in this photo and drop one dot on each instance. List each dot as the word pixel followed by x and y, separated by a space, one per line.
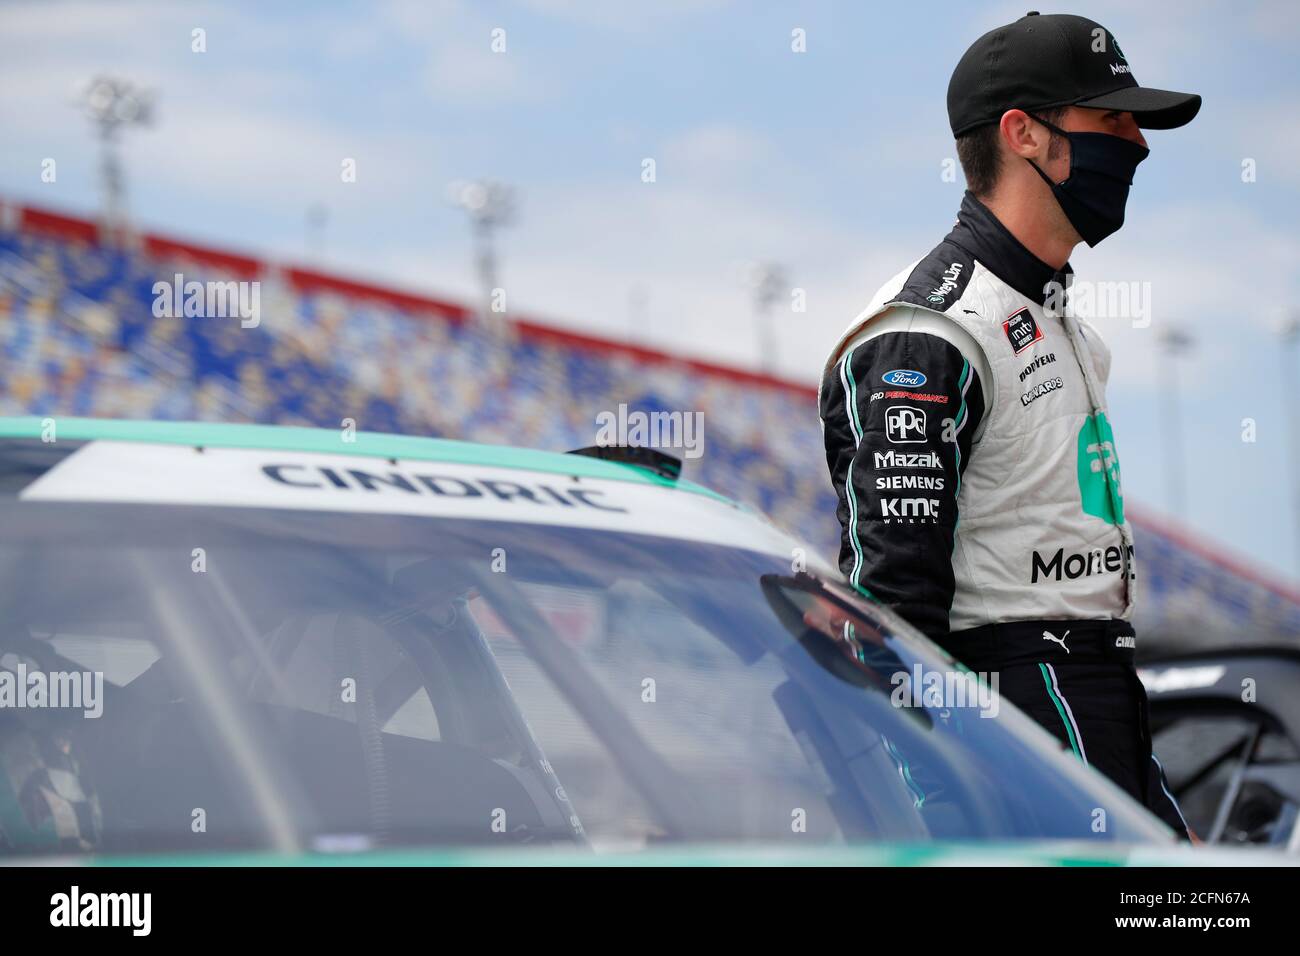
pixel 896 453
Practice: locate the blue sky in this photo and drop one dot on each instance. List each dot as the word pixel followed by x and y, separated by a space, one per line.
pixel 828 161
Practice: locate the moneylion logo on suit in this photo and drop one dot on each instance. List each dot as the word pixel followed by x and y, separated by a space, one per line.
pixel 1098 471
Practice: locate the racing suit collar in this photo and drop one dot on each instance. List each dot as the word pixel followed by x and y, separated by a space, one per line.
pixel 980 233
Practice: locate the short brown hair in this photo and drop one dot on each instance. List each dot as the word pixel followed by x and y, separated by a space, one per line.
pixel 981 161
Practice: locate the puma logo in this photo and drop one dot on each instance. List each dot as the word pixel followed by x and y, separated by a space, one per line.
pixel 1048 636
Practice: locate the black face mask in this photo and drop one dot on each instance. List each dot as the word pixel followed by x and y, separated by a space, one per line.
pixel 1101 171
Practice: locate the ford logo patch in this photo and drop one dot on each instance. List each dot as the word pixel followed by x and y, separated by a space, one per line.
pixel 903 378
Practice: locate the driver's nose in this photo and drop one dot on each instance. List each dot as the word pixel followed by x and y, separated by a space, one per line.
pixel 1130 130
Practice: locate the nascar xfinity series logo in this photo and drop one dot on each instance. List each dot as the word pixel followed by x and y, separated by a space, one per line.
pixel 1021 330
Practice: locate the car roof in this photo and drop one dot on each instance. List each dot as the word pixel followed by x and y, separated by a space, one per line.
pixel 364 444
pixel 163 463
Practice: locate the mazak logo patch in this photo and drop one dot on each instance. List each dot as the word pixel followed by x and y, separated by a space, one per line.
pixel 901 459
pixel 1022 331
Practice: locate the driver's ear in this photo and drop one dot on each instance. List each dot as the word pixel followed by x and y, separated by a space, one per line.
pixel 1022 136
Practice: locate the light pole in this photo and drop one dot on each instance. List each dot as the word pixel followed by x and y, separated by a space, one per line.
pixel 770 285
pixel 1290 334
pixel 1174 342
pixel 491 205
pixel 638 302
pixel 318 216
pixel 111 105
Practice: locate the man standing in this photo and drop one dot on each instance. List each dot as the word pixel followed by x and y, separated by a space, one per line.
pixel 964 410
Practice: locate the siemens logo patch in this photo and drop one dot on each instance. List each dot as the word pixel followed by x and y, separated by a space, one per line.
pixel 396 482
pixel 909 483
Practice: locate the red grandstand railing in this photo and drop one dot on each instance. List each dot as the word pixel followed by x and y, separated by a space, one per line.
pixel 538 331
pixel 53 223
pixel 162 247
pixel 309 280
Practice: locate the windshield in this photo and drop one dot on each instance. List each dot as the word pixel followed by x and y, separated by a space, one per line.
pixel 217 678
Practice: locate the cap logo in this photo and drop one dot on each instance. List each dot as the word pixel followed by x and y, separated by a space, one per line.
pixel 1099 40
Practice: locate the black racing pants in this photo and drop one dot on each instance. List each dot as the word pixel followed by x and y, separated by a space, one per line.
pixel 1077 679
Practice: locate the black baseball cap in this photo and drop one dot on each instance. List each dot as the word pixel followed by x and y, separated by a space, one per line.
pixel 1044 61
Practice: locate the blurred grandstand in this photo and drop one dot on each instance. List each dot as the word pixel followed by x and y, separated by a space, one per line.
pixel 78 337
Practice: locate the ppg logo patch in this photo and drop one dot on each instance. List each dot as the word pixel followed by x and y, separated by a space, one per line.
pixel 904 425
pixel 1022 331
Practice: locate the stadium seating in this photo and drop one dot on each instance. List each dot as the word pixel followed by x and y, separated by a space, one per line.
pixel 78 336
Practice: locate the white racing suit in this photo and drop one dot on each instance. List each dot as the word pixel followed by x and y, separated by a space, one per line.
pixel 966 434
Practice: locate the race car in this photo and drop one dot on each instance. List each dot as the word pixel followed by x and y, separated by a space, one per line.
pixel 284 644
pixel 1227 723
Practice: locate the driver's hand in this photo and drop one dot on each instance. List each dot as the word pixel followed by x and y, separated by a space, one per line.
pixel 830 619
pixel 846 631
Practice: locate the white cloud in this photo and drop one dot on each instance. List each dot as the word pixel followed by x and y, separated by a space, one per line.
pixel 708 150
pixel 578 254
pixel 473 77
pixel 625 17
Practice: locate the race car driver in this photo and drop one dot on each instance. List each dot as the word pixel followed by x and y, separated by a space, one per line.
pixel 964 409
